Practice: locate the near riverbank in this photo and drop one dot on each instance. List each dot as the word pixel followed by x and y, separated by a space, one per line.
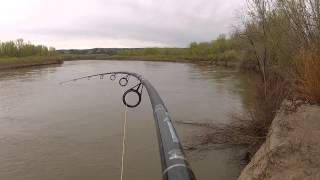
pixel 291 149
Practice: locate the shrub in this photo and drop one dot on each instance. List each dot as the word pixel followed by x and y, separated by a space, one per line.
pixel 308 74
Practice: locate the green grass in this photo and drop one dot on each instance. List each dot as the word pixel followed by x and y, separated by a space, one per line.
pixel 12 62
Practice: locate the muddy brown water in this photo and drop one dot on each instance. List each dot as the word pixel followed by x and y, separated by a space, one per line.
pixel 74 131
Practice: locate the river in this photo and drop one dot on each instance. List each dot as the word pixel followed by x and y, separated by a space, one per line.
pixel 74 131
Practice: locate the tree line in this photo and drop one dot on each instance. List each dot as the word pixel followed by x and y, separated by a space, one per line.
pixel 19 48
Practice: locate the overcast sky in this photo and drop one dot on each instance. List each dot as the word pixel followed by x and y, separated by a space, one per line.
pixel 116 23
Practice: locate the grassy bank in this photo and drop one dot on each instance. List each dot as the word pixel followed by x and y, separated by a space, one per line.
pixel 17 62
pixel 18 53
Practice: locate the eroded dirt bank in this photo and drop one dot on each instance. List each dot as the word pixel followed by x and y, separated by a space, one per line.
pixel 292 148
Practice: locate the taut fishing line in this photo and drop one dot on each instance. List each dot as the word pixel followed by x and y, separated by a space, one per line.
pixel 123 138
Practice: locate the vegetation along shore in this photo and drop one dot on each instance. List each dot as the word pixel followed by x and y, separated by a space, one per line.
pixel 15 54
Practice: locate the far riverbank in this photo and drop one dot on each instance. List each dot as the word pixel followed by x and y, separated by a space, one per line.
pixel 184 59
pixel 19 62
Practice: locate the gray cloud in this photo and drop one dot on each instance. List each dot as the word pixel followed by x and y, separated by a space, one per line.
pixel 123 23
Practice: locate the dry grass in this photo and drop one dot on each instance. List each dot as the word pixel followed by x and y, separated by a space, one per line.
pixel 241 131
pixel 267 105
pixel 251 129
pixel 308 74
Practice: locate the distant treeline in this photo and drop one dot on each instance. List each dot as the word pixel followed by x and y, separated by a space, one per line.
pixel 19 48
pixel 221 49
pixel 127 51
pixel 107 51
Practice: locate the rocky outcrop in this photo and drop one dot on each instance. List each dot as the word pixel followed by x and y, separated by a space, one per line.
pixel 291 150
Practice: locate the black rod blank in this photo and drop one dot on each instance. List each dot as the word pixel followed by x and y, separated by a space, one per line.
pixel 173 159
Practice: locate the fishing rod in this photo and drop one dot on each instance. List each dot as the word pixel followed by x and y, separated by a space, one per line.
pixel 173 160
